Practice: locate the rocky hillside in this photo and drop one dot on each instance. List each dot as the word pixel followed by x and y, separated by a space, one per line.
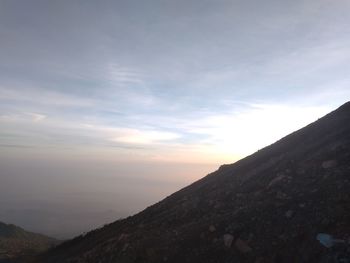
pixel 289 202
pixel 16 243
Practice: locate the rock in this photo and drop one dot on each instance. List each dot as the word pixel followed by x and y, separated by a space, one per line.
pixel 122 237
pixel 329 164
pixel 282 237
pixel 242 246
pixel 212 228
pixel 217 205
pixel 125 247
pixel 325 221
pixel 228 239
pixel 289 213
pixel 275 180
pixel 281 196
pixel 150 252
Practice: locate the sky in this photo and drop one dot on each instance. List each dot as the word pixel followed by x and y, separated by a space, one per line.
pixel 109 106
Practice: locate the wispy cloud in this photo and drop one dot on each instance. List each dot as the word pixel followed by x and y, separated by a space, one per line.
pixel 133 136
pixel 41 96
pixel 308 60
pixel 145 137
pixel 119 75
pixel 23 117
pixel 37 117
pixel 136 85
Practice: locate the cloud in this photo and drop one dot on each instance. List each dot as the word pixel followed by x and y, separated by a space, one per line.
pixel 308 60
pixel 141 87
pixel 145 137
pixel 133 136
pixel 117 74
pixel 37 117
pixel 41 96
pixel 23 117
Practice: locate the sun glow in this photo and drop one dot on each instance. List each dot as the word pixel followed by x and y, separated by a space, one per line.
pixel 245 132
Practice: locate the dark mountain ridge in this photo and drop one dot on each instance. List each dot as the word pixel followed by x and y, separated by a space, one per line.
pixel 15 242
pixel 268 207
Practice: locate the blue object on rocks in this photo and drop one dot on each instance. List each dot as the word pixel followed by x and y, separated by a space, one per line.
pixel 327 240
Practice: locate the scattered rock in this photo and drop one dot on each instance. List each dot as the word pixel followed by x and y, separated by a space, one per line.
pixel 282 237
pixel 212 228
pixel 217 205
pixel 289 213
pixel 125 247
pixel 150 252
pixel 325 221
pixel 228 239
pixel 281 196
pixel 329 164
pixel 275 180
pixel 122 237
pixel 242 246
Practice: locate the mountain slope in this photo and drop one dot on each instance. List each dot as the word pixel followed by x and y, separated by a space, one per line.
pixel 267 207
pixel 16 242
